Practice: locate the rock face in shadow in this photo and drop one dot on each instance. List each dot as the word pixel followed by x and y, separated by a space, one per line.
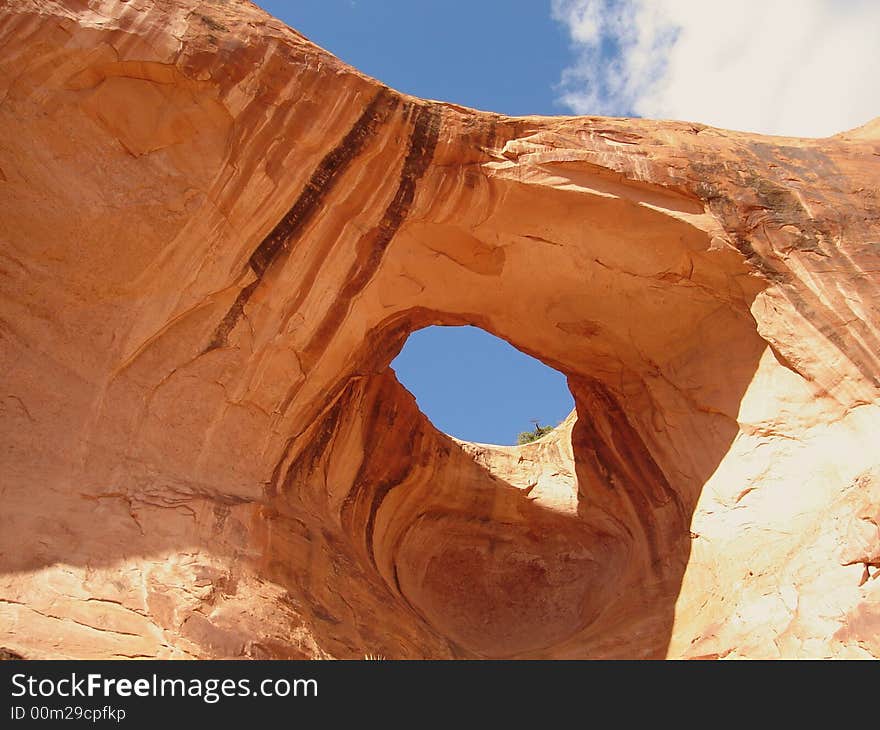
pixel 215 237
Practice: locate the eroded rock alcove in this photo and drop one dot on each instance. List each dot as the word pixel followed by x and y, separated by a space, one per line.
pixel 216 237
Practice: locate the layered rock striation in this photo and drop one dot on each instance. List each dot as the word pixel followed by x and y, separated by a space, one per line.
pixel 214 238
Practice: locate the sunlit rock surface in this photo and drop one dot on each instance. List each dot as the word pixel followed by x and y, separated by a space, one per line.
pixel 214 238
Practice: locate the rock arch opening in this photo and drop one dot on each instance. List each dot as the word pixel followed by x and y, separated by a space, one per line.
pixel 477 387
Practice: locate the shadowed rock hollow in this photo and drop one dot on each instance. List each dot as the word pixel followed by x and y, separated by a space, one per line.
pixel 215 237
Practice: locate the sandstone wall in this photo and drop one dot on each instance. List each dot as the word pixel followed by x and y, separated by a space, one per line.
pixel 214 238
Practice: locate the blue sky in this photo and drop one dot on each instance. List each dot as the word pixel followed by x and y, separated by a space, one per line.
pixel 790 67
pixel 479 388
pixel 499 56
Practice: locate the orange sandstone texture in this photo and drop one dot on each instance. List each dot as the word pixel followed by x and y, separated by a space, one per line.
pixel 215 236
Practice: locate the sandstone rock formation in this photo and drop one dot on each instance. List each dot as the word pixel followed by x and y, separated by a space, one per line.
pixel 215 236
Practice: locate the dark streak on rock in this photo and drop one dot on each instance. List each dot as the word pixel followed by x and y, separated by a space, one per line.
pixel 396 577
pixel 327 174
pixel 617 455
pixel 374 481
pixel 379 493
pixel 317 444
pixel 221 333
pixel 306 463
pixel 309 202
pixel 270 488
pixel 372 245
pixel 774 205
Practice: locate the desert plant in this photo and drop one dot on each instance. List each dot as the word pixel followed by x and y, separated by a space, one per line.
pixel 526 437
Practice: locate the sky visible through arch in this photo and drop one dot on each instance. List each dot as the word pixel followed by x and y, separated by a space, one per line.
pixel 787 67
pixel 477 387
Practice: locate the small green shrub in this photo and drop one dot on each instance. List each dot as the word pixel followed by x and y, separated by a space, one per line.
pixel 526 437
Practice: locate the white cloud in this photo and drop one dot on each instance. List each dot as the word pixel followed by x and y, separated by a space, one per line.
pixel 806 68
